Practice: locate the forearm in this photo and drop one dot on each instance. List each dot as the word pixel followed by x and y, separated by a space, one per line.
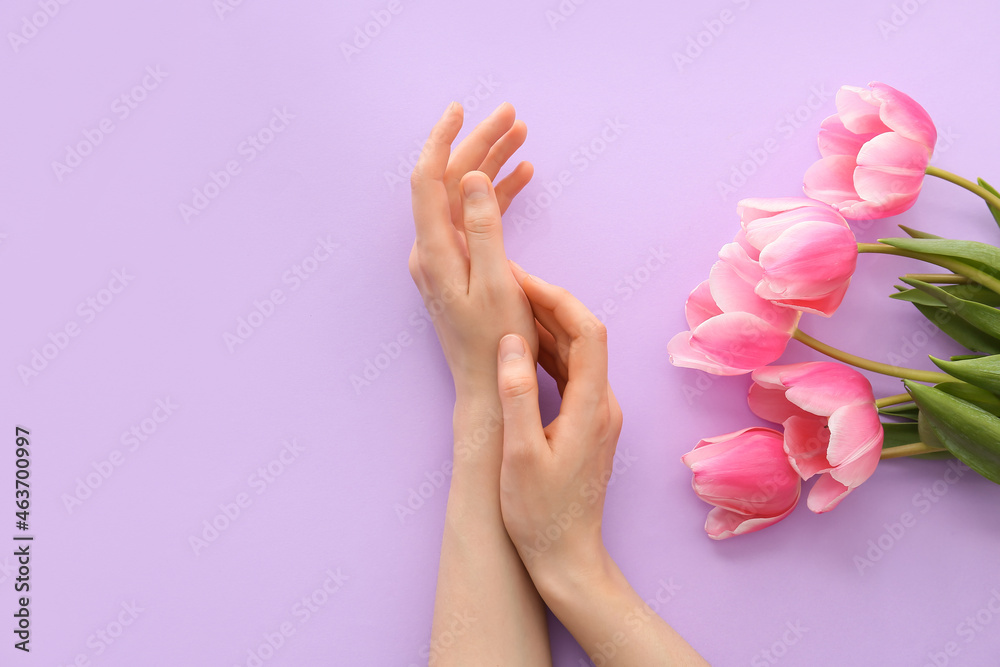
pixel 609 619
pixel 487 610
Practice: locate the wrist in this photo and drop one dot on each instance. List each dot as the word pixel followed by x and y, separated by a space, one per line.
pixel 477 424
pixel 568 582
pixel 475 385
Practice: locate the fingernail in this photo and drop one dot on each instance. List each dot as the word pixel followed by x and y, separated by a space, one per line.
pixel 537 279
pixel 511 348
pixel 476 185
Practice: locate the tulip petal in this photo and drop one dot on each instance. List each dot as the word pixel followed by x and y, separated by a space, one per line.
pixel 734 294
pixel 748 474
pixel 855 443
pixel 741 239
pixel 835 139
pixel 823 387
pixel 751 208
pixel 826 494
pixel 739 341
pixel 831 180
pixel 809 260
pixel 874 210
pixel 902 114
pixel 764 231
pixel 722 523
pixel 736 256
pixel 708 447
pixel 826 305
pixel 859 111
pixel 806 440
pixel 771 404
pixel 700 305
pixel 683 355
pixel 890 165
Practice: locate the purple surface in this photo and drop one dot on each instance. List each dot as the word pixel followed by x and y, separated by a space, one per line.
pixel 336 173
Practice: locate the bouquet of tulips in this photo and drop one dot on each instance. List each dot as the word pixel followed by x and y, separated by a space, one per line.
pixel 797 255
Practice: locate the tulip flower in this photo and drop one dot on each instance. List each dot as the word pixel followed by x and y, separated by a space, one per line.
pixel 797 253
pixel 733 331
pixel 875 150
pixel 746 475
pixel 831 424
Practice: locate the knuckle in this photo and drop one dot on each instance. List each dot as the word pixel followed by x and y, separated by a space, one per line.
pixel 594 329
pixel 414 265
pixel 483 226
pixel 418 175
pixel 516 385
pixel 617 420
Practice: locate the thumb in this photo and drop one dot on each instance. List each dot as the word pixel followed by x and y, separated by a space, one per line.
pixel 518 384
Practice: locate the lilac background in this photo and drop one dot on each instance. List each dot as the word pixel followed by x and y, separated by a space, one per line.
pixel 338 171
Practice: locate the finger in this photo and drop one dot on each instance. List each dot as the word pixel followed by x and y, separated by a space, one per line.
pixel 518 385
pixel 544 316
pixel 471 152
pixel 587 347
pixel 548 320
pixel 549 357
pixel 504 149
pixel 512 184
pixel 483 230
pixel 431 208
pixel 548 362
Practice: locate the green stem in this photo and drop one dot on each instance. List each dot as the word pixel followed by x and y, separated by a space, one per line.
pixel 975 188
pixel 868 364
pixel 941 278
pixel 892 400
pixel 913 449
pixel 949 263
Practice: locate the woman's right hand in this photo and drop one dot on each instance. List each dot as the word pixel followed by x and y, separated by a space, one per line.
pixel 553 479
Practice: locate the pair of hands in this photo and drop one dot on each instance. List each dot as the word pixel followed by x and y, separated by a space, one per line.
pixel 494 321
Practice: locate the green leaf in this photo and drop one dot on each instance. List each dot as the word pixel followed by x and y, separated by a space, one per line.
pixel 906 410
pixel 983 372
pixel 993 209
pixel 963 357
pixel 982 256
pixel 966 430
pixel 903 411
pixel 930 439
pixel 969 292
pixel 917 234
pixel 897 435
pixel 983 317
pixel 961 332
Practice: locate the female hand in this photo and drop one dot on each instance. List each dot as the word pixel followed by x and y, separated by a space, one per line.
pixel 458 261
pixel 553 479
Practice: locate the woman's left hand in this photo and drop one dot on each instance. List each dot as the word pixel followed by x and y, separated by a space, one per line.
pixel 458 260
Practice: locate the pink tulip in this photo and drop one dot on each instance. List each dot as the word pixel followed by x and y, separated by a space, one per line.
pixel 747 477
pixel 733 331
pixel 797 252
pixel 875 150
pixel 831 424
